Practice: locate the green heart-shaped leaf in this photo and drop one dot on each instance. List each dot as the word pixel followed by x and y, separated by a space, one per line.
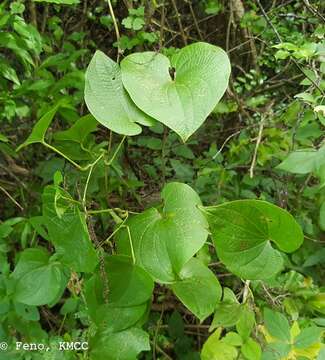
pixel 123 345
pixel 242 232
pixel 39 281
pixel 162 242
pixel 198 289
pixel 130 289
pixel 184 100
pixel 108 101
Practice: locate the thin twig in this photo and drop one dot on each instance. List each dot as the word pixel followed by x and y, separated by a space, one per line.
pixel 11 198
pixel 230 21
pixel 268 20
pixel 314 240
pixel 154 345
pixel 162 22
pixel 258 141
pixel 180 25
pixel 313 10
pixel 225 142
pixel 195 20
pixel 167 357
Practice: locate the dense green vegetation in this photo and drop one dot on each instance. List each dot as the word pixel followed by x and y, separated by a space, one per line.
pixel 162 176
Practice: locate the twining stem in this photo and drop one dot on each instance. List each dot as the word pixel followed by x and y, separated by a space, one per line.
pixel 63 155
pixel 117 32
pixel 107 240
pixel 109 162
pixel 88 178
pixel 103 211
pixel 70 199
pixel 163 155
pixel 110 138
pixel 81 168
pixel 90 167
pixel 111 212
pixel 131 243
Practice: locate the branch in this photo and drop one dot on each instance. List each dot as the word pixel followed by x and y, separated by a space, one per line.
pixel 313 10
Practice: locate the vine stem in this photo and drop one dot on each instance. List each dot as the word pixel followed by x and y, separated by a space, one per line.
pixel 81 168
pixel 63 155
pixel 103 211
pixel 131 243
pixel 163 155
pixel 107 240
pixel 117 31
pixel 88 178
pixel 109 162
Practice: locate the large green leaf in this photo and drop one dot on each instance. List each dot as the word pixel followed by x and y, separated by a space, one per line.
pixel 108 101
pixel 251 350
pixel 246 322
pixel 164 241
pixel 39 281
pixel 242 232
pixel 123 345
pixel 216 349
pixel 303 161
pixel 8 72
pixel 307 337
pixel 29 260
pixel 198 289
pixel 129 284
pixel 226 315
pixel 183 103
pixel 130 289
pixel 117 318
pixel 277 325
pixel 276 351
pixel 68 231
pixel 78 131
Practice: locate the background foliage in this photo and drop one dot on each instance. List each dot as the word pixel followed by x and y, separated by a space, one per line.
pixel 264 140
